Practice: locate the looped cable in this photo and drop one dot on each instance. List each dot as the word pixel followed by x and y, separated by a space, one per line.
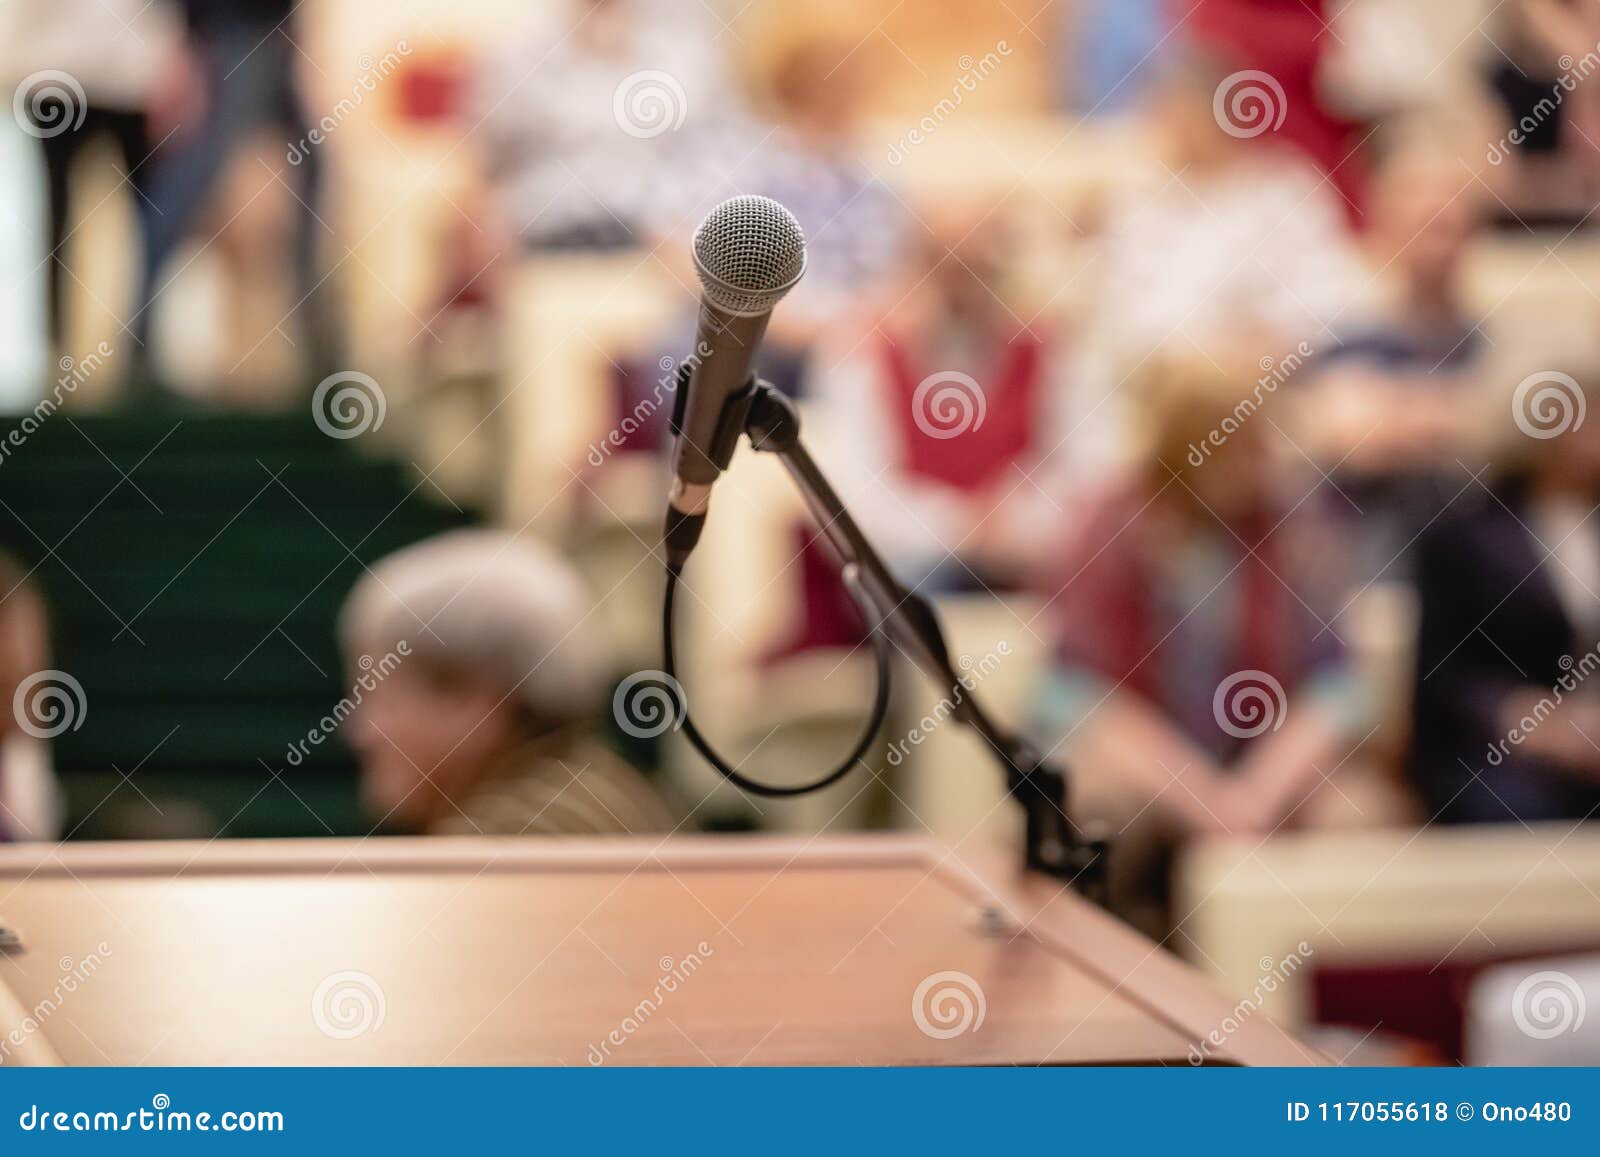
pixel 880 708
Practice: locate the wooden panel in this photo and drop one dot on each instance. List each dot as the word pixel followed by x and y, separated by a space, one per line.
pixel 698 951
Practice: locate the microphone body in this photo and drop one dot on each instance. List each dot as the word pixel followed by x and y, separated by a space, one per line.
pixel 719 372
pixel 748 252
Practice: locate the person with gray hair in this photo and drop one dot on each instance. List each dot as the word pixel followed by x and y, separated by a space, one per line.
pixel 478 672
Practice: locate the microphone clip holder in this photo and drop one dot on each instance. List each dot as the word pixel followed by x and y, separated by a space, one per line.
pixel 1054 844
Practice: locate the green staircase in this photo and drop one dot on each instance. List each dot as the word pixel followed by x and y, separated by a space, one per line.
pixel 194 563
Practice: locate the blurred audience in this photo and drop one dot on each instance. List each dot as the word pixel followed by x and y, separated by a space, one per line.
pixel 1205 376
pixel 488 679
pixel 1197 686
pixel 968 426
pixel 30 801
pixel 1507 724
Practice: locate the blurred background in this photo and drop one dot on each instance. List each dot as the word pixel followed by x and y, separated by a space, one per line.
pixel 1219 367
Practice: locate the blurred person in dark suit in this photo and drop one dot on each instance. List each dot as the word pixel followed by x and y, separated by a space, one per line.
pixel 1197 683
pixel 30 800
pixel 1506 706
pixel 478 679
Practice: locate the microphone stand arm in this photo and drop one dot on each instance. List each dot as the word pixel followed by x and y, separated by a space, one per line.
pixel 1054 843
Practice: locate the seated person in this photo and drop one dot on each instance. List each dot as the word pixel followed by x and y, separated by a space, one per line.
pixel 30 799
pixel 1234 234
pixel 934 416
pixel 1384 410
pixel 1506 718
pixel 1199 684
pixel 613 138
pixel 478 724
pixel 856 229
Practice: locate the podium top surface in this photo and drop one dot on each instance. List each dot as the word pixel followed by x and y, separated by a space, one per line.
pixel 696 950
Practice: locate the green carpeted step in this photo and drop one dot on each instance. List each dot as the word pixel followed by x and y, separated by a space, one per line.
pixel 195 599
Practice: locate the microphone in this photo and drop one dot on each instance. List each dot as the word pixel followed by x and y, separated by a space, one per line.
pixel 748 252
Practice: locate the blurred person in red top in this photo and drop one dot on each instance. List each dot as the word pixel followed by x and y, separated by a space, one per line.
pixel 934 419
pixel 1198 686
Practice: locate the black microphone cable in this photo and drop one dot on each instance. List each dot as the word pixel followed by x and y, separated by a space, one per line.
pixel 880 705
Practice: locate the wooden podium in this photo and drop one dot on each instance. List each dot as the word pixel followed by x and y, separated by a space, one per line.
pixel 697 950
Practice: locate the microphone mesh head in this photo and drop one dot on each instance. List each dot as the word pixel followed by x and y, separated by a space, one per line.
pixel 749 252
